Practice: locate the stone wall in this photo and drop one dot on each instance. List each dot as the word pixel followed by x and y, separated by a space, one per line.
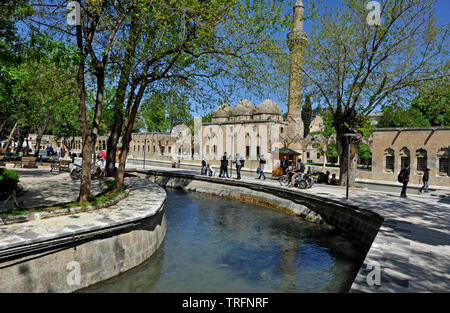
pixel 100 258
pixel 46 255
pixel 411 144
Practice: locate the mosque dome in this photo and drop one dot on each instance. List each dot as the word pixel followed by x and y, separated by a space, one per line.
pixel 244 107
pixel 269 107
pixel 224 110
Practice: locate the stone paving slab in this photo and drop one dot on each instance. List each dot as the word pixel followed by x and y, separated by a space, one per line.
pixel 45 188
pixel 412 246
pixel 145 199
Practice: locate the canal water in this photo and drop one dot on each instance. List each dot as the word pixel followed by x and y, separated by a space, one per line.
pixel 221 245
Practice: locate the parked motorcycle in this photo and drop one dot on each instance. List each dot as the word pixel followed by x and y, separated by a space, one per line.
pixel 96 171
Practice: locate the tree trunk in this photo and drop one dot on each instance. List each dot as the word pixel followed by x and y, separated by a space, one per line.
pixel 20 142
pixel 2 125
pixel 342 143
pixel 11 134
pixel 41 133
pixel 116 128
pixel 85 185
pixel 126 138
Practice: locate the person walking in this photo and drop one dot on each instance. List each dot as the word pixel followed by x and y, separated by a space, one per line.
pixel 102 156
pixel 425 177
pixel 403 177
pixel 204 169
pixel 285 165
pixel 224 166
pixel 262 162
pixel 239 165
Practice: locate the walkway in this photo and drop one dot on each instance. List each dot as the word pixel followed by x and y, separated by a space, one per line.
pixel 45 188
pixel 412 246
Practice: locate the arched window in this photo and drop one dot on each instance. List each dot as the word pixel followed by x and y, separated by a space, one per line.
pixel 247 146
pixel 258 146
pixel 390 160
pixel 444 158
pixel 422 159
pixel 404 157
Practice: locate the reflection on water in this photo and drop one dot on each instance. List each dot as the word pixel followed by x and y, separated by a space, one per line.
pixel 220 245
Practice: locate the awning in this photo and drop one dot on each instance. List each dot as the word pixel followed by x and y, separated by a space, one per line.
pixel 286 151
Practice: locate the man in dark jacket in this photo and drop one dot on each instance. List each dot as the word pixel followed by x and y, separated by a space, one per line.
pixel 425 177
pixel 404 174
pixel 224 166
pixel 284 165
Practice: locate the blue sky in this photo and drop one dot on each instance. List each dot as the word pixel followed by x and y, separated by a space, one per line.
pixel 442 14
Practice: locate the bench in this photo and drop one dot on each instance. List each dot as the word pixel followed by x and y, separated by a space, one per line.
pixel 61 165
pixel 26 162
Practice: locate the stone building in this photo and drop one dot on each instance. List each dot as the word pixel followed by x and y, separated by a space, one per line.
pixel 252 131
pixel 421 147
pixel 169 146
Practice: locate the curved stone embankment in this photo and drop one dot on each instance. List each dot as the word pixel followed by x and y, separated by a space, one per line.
pixel 358 225
pixel 67 253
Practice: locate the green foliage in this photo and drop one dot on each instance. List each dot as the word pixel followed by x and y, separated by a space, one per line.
pixel 332 151
pixel 8 180
pixel 306 115
pixel 364 152
pixel 162 111
pixel 397 116
pixel 207 118
pixel 434 104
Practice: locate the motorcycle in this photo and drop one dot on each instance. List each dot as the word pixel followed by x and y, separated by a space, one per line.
pixel 304 181
pixel 96 171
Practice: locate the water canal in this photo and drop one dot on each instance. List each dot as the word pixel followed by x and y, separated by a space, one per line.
pixel 221 245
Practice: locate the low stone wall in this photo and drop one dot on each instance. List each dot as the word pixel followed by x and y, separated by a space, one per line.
pixel 358 225
pixel 68 253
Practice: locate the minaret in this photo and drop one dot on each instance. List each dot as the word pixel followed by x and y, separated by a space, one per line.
pixel 296 41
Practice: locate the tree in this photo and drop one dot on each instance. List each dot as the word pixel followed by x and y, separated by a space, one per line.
pixel 364 153
pixel 218 39
pixel 398 116
pixel 433 102
pixel 306 115
pixel 162 111
pixel 354 67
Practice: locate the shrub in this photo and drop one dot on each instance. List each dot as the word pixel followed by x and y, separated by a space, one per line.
pixel 8 180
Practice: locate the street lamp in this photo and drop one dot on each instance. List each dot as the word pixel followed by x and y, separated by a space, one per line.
pixel 145 147
pixel 349 135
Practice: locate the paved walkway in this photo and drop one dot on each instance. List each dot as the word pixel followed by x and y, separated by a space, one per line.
pixel 45 188
pixel 412 246
pixel 145 199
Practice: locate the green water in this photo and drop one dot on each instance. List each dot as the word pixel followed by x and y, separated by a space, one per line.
pixel 220 245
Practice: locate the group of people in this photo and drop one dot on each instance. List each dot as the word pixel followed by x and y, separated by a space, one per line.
pixel 239 161
pixel 403 177
pixel 58 152
pixel 324 178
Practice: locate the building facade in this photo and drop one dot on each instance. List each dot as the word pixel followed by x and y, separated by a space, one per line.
pixel 420 147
